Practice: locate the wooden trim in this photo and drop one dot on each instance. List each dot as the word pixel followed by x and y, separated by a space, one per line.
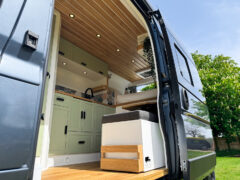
pixel 138 104
pixel 121 148
pixel 132 102
pixel 84 99
pixel 129 165
pixel 100 88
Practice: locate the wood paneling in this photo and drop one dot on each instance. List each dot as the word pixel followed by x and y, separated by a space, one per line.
pixel 116 25
pixel 92 171
pixel 128 165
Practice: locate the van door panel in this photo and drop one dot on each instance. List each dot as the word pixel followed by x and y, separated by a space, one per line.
pixel 17 112
pixel 9 11
pixel 22 79
pixel 179 118
pixel 197 114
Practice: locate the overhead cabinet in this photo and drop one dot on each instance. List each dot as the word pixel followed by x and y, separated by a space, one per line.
pixel 76 54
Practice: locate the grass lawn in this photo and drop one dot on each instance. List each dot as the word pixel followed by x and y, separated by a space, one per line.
pixel 228 168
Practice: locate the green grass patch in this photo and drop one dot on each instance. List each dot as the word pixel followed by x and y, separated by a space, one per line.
pixel 228 168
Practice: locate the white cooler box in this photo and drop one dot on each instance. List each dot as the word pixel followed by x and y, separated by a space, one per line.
pixel 131 142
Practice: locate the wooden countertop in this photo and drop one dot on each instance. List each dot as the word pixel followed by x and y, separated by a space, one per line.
pixel 84 99
pixel 124 105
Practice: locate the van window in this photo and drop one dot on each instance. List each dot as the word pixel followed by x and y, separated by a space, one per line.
pixel 183 66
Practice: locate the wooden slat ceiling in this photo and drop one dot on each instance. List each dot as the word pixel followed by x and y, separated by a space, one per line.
pixel 116 25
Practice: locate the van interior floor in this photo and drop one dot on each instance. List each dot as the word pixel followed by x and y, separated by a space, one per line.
pixel 92 171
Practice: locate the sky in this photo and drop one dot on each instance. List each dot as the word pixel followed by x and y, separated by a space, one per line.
pixel 208 26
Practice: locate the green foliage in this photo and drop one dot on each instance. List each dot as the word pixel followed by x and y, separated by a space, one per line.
pixel 220 76
pixel 148 54
pixel 228 153
pixel 149 87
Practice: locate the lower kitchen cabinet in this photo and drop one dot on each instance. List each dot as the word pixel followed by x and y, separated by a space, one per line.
pixel 81 116
pixel 58 136
pixel 109 110
pixel 96 143
pixel 76 126
pixel 86 121
pixel 98 112
pixel 62 100
pixel 78 143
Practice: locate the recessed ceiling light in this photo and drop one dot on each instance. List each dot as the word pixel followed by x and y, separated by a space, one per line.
pixel 71 15
pixel 85 72
pixel 64 63
pixel 133 61
pixel 118 50
pixel 98 36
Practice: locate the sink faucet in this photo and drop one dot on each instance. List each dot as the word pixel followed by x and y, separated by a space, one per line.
pixel 88 96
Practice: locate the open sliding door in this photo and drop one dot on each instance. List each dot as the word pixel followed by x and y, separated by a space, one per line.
pixel 181 104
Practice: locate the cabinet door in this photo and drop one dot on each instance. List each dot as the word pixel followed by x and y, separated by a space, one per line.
pixel 109 110
pixel 75 121
pixel 96 143
pixel 62 100
pixel 78 143
pixel 86 121
pixel 98 112
pixel 58 136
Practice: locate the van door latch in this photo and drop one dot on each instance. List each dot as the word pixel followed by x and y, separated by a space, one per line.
pixel 31 40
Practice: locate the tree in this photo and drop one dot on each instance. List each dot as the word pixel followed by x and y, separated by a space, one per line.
pixel 220 77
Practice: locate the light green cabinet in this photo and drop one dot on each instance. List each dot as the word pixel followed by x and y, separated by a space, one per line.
pixel 62 100
pixel 65 48
pixel 83 121
pixel 74 123
pixel 98 112
pixel 96 143
pixel 81 116
pixel 80 56
pixel 109 110
pixel 78 143
pixel 86 121
pixel 58 136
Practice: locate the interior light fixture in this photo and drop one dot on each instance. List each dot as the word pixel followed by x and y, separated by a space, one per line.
pixel 133 61
pixel 85 72
pixel 71 15
pixel 64 63
pixel 118 50
pixel 98 36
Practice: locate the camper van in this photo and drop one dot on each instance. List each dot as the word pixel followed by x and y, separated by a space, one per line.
pixel 98 89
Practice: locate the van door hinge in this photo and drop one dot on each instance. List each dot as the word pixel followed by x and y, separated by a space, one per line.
pixel 184 166
pixel 156 14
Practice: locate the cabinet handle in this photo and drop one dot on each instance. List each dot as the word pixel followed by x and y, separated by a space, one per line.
pixel 60 99
pixel 81 114
pixel 81 142
pixel 65 130
pixel 84 115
